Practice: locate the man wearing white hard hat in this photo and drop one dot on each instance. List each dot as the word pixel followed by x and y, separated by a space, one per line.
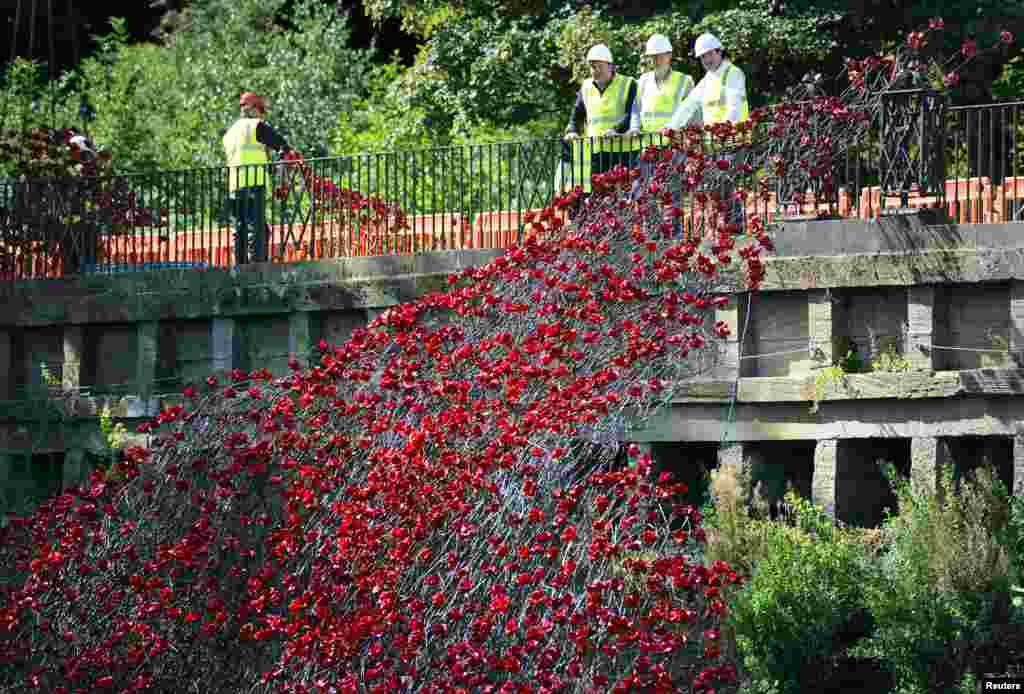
pixel 721 95
pixel 605 104
pixel 661 90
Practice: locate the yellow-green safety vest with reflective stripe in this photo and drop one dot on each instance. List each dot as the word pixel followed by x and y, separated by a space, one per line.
pixel 713 106
pixel 242 149
pixel 606 110
pixel 658 102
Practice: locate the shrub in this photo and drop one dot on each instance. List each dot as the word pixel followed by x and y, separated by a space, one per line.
pixel 790 617
pixel 944 580
pixel 162 106
pixel 737 536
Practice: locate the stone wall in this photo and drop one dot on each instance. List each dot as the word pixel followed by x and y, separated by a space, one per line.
pixel 926 288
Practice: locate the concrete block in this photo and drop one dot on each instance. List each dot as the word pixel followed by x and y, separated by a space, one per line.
pixel 1017 322
pixel 779 333
pixel 192 352
pixel 147 352
pixel 74 470
pixel 978 318
pixel 928 456
pixel 726 364
pixel 265 343
pixel 74 357
pixel 113 354
pixel 819 313
pixel 224 344
pixel 823 481
pixel 6 365
pixel 1018 465
pixel 873 319
pixel 301 334
pixel 337 326
pixel 6 493
pixel 920 326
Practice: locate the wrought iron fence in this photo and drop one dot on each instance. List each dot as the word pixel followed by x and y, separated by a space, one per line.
pixel 920 154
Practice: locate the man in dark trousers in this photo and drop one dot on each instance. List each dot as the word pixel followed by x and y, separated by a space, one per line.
pixel 245 147
pixel 604 105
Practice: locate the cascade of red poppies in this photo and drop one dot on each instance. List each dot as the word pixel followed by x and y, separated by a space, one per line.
pixel 439 504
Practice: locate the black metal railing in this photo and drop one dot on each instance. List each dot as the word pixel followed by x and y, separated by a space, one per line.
pixel 920 154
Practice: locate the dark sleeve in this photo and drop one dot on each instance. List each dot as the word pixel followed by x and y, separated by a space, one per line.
pixel 623 125
pixel 579 114
pixel 269 137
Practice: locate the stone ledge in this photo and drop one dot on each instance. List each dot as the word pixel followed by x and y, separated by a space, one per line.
pixel 866 386
pixel 945 266
pixel 270 288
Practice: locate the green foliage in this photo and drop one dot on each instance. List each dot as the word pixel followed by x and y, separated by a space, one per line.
pixel 835 374
pixel 27 101
pixel 114 433
pixel 165 106
pixel 889 360
pixel 939 582
pixel 489 69
pixel 739 536
pixel 387 121
pixel 810 581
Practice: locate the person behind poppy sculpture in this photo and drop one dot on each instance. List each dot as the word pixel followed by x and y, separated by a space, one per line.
pixel 720 96
pixel 605 104
pixel 245 147
pixel 660 91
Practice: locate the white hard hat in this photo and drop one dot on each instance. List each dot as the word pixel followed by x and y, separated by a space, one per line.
pixel 600 52
pixel 80 142
pixel 705 43
pixel 658 44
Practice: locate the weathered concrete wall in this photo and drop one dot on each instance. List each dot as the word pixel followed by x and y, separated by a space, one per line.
pixel 873 319
pixel 336 326
pixel 193 351
pixel 267 289
pixel 40 346
pixel 265 344
pixel 841 419
pixel 778 323
pixel 976 318
pixel 110 358
pixel 937 285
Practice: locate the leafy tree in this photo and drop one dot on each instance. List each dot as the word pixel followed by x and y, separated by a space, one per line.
pixel 166 105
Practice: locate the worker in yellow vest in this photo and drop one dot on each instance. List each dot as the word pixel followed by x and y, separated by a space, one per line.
pixel 660 91
pixel 245 147
pixel 605 104
pixel 721 95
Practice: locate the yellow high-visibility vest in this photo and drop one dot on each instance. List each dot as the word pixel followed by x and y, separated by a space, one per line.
pixel 713 106
pixel 606 110
pixel 657 103
pixel 242 150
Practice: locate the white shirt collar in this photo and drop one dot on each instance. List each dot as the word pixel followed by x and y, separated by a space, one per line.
pixel 721 66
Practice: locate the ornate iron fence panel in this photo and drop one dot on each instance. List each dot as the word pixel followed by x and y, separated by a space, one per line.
pixel 912 123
